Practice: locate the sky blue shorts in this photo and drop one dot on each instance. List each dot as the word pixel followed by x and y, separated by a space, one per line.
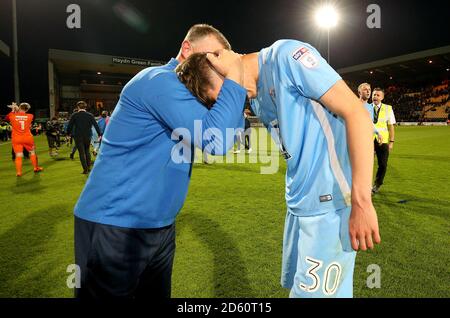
pixel 318 260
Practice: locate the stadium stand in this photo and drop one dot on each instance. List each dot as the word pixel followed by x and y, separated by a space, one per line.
pixel 416 84
pixel 422 103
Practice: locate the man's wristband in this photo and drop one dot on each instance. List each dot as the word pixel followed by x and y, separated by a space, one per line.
pixel 391 141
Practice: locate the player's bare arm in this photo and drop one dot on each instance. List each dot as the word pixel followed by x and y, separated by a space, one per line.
pixel 363 226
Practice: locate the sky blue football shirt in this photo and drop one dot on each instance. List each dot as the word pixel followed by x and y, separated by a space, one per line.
pixel 292 78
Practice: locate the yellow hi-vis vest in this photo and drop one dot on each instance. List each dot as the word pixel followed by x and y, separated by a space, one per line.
pixel 382 124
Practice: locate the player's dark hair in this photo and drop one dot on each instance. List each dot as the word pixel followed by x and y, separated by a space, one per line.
pixel 199 31
pixel 194 73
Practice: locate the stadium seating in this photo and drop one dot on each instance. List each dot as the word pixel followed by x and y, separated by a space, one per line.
pixel 436 113
pixel 431 103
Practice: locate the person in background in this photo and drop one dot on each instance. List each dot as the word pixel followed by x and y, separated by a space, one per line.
pixel 3 131
pixel 248 131
pixel 74 147
pixel 21 136
pixel 243 136
pixel 80 127
pixel 384 120
pixel 52 131
pixel 102 123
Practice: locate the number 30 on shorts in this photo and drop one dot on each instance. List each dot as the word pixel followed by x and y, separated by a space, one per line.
pixel 330 281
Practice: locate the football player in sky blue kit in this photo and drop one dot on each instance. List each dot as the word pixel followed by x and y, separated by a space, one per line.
pixel 325 135
pixel 124 218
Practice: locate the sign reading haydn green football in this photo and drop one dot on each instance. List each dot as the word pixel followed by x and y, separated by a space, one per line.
pixel 127 61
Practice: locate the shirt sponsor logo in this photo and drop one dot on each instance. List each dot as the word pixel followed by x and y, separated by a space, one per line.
pixel 326 198
pixel 304 56
pixel 298 54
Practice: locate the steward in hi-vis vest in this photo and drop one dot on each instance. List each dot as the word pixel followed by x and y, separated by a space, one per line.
pixel 383 113
pixel 384 121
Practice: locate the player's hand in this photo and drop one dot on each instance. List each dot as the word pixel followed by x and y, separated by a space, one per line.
pixel 363 227
pixel 391 146
pixel 228 64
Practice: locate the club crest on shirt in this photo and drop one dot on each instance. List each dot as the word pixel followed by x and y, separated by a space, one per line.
pixel 304 56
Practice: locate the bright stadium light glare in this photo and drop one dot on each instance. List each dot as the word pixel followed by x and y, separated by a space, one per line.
pixel 327 17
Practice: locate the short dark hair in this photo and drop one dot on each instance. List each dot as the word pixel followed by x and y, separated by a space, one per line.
pixel 378 89
pixel 81 104
pixel 194 73
pixel 199 31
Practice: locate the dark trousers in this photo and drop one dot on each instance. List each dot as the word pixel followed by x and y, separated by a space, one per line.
pixel 72 152
pixel 51 139
pixel 247 142
pixel 122 262
pixel 3 136
pixel 382 152
pixel 83 144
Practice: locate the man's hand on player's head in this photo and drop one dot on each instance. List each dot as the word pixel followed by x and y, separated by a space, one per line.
pixel 228 64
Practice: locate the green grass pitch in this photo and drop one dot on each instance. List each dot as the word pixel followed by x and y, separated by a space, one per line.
pixel 229 232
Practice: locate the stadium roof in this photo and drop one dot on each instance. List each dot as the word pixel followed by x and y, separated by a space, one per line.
pixel 409 67
pixel 4 49
pixel 72 62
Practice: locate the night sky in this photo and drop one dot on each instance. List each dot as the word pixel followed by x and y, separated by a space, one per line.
pixel 407 27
